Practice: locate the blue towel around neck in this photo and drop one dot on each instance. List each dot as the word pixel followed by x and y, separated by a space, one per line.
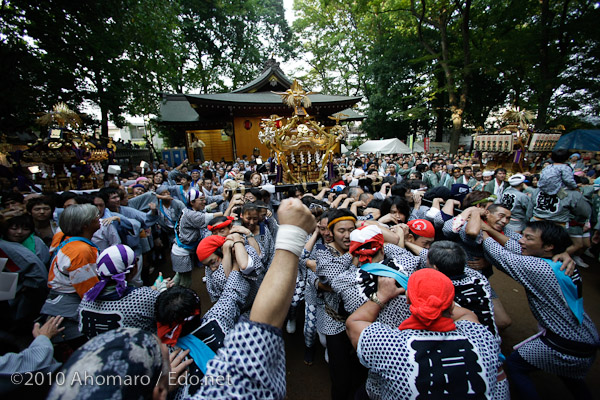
pixel 199 351
pixel 568 289
pixel 383 270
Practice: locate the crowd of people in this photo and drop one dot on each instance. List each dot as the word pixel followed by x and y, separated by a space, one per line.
pixel 389 262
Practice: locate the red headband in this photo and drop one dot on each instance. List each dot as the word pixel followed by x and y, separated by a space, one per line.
pixel 221 225
pixel 169 334
pixel 369 235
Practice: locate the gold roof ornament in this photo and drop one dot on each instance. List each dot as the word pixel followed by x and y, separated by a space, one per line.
pixel 62 116
pixel 520 116
pixel 297 98
pixel 303 147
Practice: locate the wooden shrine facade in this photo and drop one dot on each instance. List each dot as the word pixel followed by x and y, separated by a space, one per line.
pixel 229 123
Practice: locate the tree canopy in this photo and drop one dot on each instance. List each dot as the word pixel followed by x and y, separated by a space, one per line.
pixel 440 66
pixel 121 54
pixel 433 67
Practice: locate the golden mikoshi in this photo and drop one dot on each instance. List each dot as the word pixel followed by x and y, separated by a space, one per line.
pixel 301 146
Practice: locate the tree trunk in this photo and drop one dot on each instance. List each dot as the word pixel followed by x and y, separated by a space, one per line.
pixel 457 123
pixel 439 103
pixel 440 122
pixel 104 123
pixel 542 111
pixel 103 107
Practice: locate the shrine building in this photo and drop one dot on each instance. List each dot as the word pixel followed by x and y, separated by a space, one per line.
pixel 229 123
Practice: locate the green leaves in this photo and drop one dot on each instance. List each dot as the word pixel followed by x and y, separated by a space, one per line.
pixel 416 60
pixel 120 54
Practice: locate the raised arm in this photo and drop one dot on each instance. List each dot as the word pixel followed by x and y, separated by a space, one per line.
pixel 515 265
pixel 337 200
pixel 227 260
pixel 389 236
pixel 240 253
pixel 275 294
pixel 449 206
pixel 322 193
pixel 474 221
pixel 311 241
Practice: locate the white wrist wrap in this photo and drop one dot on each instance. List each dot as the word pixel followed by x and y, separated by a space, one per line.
pixel 291 238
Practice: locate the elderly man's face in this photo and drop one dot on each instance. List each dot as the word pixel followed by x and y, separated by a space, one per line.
pixel 498 219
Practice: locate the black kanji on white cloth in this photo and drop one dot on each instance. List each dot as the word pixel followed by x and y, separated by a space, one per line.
pixel 546 202
pixel 405 364
pixel 95 323
pixel 472 291
pixel 448 369
pixel 508 200
pixel 134 310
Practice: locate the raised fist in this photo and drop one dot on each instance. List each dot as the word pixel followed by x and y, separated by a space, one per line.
pixel 293 212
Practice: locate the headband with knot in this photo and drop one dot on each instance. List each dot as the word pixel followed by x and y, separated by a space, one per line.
pixel 113 264
pixel 430 293
pixel 365 242
pixel 221 225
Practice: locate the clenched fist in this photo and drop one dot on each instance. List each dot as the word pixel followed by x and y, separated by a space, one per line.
pixel 293 212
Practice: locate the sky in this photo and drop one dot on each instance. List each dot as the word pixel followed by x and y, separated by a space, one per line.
pixel 288 5
pixel 290 67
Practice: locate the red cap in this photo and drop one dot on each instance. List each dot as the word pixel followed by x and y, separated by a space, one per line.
pixel 208 246
pixel 422 227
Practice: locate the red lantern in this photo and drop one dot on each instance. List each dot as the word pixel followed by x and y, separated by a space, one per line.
pixel 247 124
